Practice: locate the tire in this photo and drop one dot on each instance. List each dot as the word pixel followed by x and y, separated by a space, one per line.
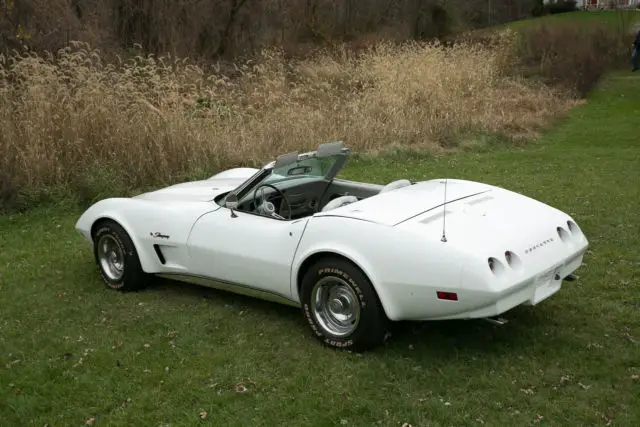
pixel 117 258
pixel 342 307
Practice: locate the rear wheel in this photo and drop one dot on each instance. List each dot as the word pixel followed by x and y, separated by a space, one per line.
pixel 117 258
pixel 342 307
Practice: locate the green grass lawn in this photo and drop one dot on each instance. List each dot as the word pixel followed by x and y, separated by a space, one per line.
pixel 621 21
pixel 72 350
pixel 613 18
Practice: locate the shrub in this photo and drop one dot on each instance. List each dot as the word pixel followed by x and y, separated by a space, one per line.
pixel 560 6
pixel 538 8
pixel 74 121
pixel 571 55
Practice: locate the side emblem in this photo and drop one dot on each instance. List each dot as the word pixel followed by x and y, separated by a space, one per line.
pixel 158 235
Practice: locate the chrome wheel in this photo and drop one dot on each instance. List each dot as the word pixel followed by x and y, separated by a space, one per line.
pixel 335 306
pixel 110 257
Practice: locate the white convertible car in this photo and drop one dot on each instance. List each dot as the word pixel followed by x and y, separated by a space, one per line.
pixel 352 255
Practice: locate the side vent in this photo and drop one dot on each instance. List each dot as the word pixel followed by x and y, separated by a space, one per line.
pixel 159 253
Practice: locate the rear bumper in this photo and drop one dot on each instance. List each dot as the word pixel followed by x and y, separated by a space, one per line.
pixel 529 292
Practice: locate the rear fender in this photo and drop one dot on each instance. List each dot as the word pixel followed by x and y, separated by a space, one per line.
pixel 350 254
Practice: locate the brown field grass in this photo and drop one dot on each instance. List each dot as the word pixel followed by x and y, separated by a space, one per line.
pixel 73 122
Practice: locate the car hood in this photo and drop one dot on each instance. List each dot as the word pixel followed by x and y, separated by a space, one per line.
pixel 396 206
pixel 201 191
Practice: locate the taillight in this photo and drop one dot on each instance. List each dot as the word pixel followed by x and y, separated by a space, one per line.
pixel 496 266
pixel 508 256
pixel 563 234
pixel 492 264
pixel 449 296
pixel 573 228
pixel 513 260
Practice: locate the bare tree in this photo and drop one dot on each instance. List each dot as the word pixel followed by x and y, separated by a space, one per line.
pixel 215 28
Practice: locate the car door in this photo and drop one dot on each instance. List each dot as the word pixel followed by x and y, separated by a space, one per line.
pixel 246 250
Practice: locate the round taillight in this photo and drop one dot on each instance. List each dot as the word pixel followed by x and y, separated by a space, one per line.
pixel 513 260
pixel 563 234
pixel 573 227
pixel 508 256
pixel 495 265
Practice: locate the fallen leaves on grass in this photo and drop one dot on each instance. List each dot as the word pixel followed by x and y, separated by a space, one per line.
pixel 511 410
pixel 10 364
pixel 529 390
pixel 445 402
pixel 426 397
pixel 125 403
pixel 629 337
pixel 239 388
pixel 84 356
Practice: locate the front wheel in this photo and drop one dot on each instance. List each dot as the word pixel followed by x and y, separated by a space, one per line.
pixel 117 258
pixel 342 307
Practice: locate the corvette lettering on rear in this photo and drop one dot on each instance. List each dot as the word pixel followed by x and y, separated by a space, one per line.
pixel 538 245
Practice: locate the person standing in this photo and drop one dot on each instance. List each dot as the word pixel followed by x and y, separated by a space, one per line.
pixel 636 52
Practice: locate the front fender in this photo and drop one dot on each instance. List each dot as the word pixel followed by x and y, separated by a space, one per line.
pixel 116 209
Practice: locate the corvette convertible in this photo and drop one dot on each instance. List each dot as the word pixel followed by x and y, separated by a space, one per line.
pixel 352 256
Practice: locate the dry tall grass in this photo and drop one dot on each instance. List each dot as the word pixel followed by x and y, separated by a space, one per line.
pixel 72 121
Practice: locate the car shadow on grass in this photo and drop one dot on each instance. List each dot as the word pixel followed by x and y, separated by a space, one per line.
pixel 224 298
pixel 439 339
pixel 527 331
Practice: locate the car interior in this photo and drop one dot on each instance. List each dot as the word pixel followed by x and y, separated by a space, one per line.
pixel 306 198
pixel 297 186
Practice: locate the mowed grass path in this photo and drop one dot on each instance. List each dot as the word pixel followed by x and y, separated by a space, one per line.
pixel 618 19
pixel 71 350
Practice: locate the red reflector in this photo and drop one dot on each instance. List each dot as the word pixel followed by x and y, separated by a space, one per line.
pixel 449 296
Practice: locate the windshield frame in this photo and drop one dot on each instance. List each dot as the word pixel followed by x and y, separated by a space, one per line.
pixel 290 159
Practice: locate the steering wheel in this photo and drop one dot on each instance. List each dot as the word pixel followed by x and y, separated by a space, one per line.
pixel 267 207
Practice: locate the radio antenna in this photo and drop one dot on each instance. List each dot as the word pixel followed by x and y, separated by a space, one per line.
pixel 444 213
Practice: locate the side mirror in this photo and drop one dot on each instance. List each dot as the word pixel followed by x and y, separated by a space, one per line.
pixel 231 202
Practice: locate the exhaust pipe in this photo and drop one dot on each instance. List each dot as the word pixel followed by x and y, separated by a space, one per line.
pixel 496 320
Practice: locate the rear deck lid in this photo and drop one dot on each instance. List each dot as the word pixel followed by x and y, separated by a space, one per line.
pixel 399 205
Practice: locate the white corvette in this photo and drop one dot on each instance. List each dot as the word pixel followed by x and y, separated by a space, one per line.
pixel 353 255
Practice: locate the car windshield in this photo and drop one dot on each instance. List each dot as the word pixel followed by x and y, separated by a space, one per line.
pixel 310 167
pixel 291 169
